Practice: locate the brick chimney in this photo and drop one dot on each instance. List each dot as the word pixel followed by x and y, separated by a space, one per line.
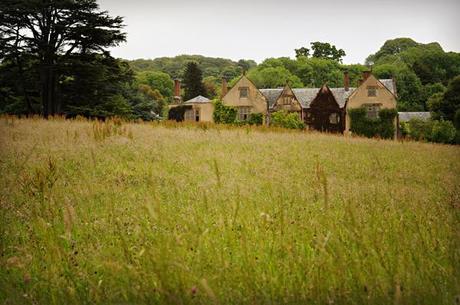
pixel 224 87
pixel 177 87
pixel 346 81
pixel 366 75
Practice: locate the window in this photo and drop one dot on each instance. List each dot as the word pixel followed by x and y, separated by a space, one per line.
pixel 372 110
pixel 244 113
pixel 197 115
pixel 244 92
pixel 189 115
pixel 334 118
pixel 371 91
pixel 286 100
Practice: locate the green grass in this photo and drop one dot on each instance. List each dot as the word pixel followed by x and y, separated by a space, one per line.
pixel 95 213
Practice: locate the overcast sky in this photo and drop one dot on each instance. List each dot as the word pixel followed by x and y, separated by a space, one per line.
pixel 258 29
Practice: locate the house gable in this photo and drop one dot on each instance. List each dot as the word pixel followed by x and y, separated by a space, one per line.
pixel 245 94
pixel 372 91
pixel 287 101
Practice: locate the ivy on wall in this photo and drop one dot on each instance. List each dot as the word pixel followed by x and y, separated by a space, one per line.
pixel 223 114
pixel 382 127
pixel 177 113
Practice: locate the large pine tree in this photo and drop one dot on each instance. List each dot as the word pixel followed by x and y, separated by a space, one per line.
pixel 193 81
pixel 52 32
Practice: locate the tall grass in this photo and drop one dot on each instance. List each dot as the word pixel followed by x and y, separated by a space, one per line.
pixel 125 213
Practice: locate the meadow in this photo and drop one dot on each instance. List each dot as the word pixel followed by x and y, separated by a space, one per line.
pixel 144 213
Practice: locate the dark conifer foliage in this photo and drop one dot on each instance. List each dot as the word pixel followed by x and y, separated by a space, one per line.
pixel 51 35
pixel 193 81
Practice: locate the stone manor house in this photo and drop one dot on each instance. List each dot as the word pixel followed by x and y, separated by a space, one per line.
pixel 322 109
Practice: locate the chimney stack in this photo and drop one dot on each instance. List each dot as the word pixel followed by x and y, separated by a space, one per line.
pixel 224 87
pixel 366 75
pixel 346 80
pixel 176 87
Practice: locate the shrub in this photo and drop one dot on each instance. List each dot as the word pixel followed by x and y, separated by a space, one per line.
pixel 418 129
pixel 286 120
pixel 256 119
pixel 443 132
pixel 223 114
pixel 382 127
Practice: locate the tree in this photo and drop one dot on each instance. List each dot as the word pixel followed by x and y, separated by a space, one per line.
pixel 450 104
pixel 193 81
pixel 51 32
pixel 302 52
pixel 274 77
pixel 391 47
pixel 157 80
pixel 327 51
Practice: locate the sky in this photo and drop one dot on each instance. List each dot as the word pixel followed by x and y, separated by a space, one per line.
pixel 258 29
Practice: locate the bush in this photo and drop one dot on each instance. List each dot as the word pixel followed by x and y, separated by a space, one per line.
pixel 224 114
pixel 418 129
pixel 443 132
pixel 256 119
pixel 286 120
pixel 382 127
pixel 433 131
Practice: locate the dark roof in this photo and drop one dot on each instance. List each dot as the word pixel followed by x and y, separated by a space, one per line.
pixel 341 95
pixel 271 95
pixel 305 95
pixel 390 84
pixel 407 116
pixel 198 100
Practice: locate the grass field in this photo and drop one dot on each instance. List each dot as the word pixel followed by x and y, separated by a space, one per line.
pixel 111 213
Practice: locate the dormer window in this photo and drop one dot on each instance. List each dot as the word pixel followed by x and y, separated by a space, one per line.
pixel 371 91
pixel 244 92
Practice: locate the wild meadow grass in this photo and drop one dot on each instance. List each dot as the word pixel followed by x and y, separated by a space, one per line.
pixel 125 213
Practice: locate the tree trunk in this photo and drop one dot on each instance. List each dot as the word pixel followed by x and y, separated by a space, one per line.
pixel 48 93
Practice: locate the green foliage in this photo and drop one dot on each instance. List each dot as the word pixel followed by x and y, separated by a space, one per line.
pixel 256 119
pixel 391 47
pixel 327 51
pixel 273 77
pixel 303 51
pixel 439 131
pixel 55 34
pixel 193 81
pixel 175 66
pixel 443 132
pixel 450 103
pixel 157 80
pixel 382 127
pixel 223 114
pixel 418 129
pixel 286 120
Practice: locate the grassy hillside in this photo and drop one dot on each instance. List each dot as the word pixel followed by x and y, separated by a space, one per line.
pixel 138 213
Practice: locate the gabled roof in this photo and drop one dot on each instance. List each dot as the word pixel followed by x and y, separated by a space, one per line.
pixel 198 100
pixel 341 95
pixel 271 95
pixel 305 95
pixel 389 84
pixel 407 116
